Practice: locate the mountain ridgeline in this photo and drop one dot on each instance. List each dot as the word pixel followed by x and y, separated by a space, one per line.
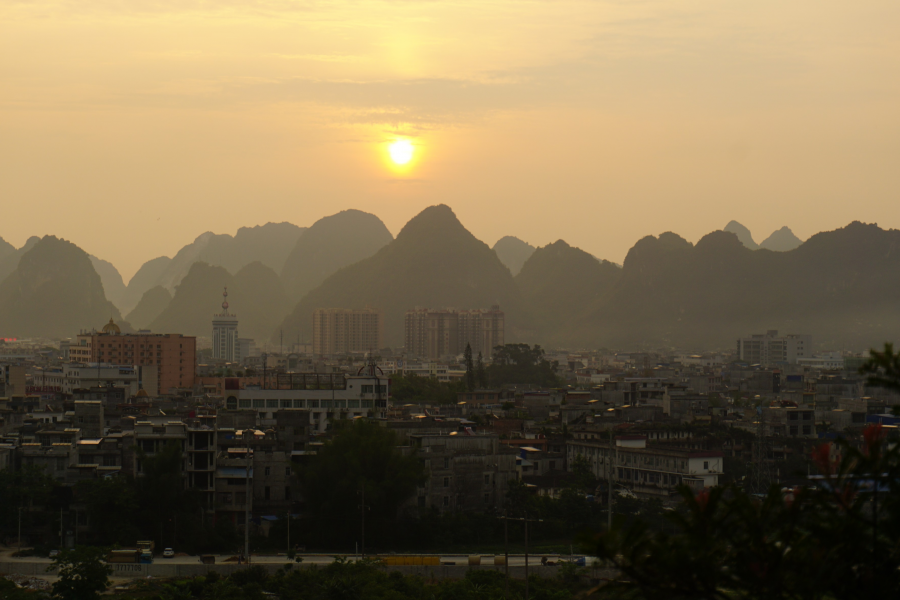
pixel 513 253
pixel 53 292
pixel 781 240
pixel 559 283
pixel 433 262
pixel 255 295
pixel 268 244
pixel 331 244
pixel 840 286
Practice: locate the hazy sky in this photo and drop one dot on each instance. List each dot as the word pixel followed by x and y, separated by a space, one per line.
pixel 130 127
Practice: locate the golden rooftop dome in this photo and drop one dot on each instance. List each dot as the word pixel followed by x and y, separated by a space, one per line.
pixel 111 327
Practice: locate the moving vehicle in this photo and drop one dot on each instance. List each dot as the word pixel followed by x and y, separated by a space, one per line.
pixel 168 553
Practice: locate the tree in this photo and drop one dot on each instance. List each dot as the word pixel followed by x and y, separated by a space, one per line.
pixel 31 489
pixel 583 479
pixel 412 389
pixel 883 369
pixel 82 573
pixel 161 491
pixel 470 368
pixel 111 505
pixel 521 364
pixel 835 540
pixel 480 372
pixel 362 456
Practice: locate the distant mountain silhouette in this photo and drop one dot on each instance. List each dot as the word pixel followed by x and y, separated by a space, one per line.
pixel 269 244
pixel 5 249
pixel 840 286
pixel 742 233
pixel 332 243
pixel 10 260
pixel 53 292
pixel 513 253
pixel 558 283
pixel 255 295
pixel 142 281
pixel 153 303
pixel 434 262
pixel 261 299
pixel 113 285
pixel 781 241
pixel 197 298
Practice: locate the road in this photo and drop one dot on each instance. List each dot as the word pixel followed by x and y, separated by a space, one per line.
pixel 515 560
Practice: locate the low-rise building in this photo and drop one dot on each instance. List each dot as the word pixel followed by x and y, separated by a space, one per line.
pixel 649 470
pixel 466 472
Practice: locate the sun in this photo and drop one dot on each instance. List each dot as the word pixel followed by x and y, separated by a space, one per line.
pixel 401 151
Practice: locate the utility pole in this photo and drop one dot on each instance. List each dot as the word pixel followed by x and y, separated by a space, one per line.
pixel 762 476
pixel 20 530
pixel 526 556
pixel 609 482
pixel 247 497
pixel 506 553
pixel 362 512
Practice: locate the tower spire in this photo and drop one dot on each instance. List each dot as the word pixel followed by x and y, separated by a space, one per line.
pixel 225 301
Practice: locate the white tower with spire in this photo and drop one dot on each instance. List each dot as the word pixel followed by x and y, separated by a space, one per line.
pixel 225 334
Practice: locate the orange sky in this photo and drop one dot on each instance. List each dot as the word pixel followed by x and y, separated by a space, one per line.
pixel 596 122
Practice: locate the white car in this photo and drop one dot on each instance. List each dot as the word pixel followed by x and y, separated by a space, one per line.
pixel 168 553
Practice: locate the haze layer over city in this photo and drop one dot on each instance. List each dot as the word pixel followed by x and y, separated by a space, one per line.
pixel 415 300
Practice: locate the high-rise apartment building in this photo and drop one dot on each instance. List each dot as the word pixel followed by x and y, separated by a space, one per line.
pixel 771 348
pixel 225 334
pixel 174 355
pixel 432 333
pixel 344 331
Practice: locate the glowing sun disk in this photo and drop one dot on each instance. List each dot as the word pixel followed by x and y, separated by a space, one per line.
pixel 401 151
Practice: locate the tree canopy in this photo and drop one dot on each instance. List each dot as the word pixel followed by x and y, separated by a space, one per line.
pixel 521 364
pixel 363 456
pixel 82 573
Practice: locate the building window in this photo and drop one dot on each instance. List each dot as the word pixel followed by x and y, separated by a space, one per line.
pixel 446 482
pixel 807 430
pixel 793 430
pixel 487 479
pixel 287 471
pixel 487 498
pixel 446 463
pixel 446 500
pixel 287 493
pixel 706 465
pixel 268 492
pixel 267 471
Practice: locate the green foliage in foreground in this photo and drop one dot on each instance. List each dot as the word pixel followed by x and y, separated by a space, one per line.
pixel 836 540
pixel 83 574
pixel 344 580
